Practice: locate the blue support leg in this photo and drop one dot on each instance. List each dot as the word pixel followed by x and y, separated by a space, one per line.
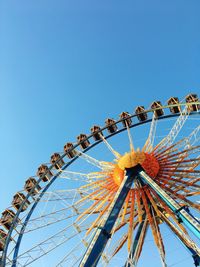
pixel 182 213
pixel 103 233
pixel 140 235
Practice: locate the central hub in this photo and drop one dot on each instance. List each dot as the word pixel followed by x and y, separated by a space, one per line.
pixel 147 160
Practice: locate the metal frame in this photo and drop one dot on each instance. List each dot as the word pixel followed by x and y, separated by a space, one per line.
pixel 69 163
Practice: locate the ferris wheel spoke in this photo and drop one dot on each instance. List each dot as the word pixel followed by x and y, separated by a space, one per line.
pixel 97 163
pixel 184 144
pixel 162 151
pixel 182 236
pixel 166 210
pixel 179 185
pixel 129 137
pixel 183 171
pixel 95 208
pixel 85 177
pixel 184 199
pixel 180 155
pixel 48 245
pixel 92 195
pixel 109 254
pixel 48 220
pixel 110 251
pixel 56 195
pixel 74 202
pixel 148 147
pixel 118 225
pixel 160 243
pixel 181 160
pixel 102 208
pixel 71 194
pixel 187 175
pixel 190 179
pixel 174 183
pixel 189 193
pixel 71 210
pixel 119 244
pixel 125 207
pixel 185 192
pixel 137 245
pixel 131 221
pixel 176 128
pixel 108 145
pixel 193 138
pixel 150 211
pixel 72 254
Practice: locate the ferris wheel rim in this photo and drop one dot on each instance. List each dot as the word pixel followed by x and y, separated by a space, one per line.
pixel 53 179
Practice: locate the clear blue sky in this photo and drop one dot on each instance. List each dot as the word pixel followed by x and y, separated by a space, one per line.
pixel 66 65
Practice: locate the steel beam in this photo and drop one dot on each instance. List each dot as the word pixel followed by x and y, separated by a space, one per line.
pixel 181 212
pixel 140 235
pixel 103 233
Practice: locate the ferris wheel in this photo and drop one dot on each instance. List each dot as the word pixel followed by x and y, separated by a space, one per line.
pixel 113 196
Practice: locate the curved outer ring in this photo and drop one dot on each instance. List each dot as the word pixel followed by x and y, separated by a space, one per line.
pixel 3 263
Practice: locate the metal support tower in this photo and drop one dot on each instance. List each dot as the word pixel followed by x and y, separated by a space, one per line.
pixel 103 232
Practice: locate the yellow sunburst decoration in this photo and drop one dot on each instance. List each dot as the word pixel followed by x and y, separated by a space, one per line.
pixel 131 159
